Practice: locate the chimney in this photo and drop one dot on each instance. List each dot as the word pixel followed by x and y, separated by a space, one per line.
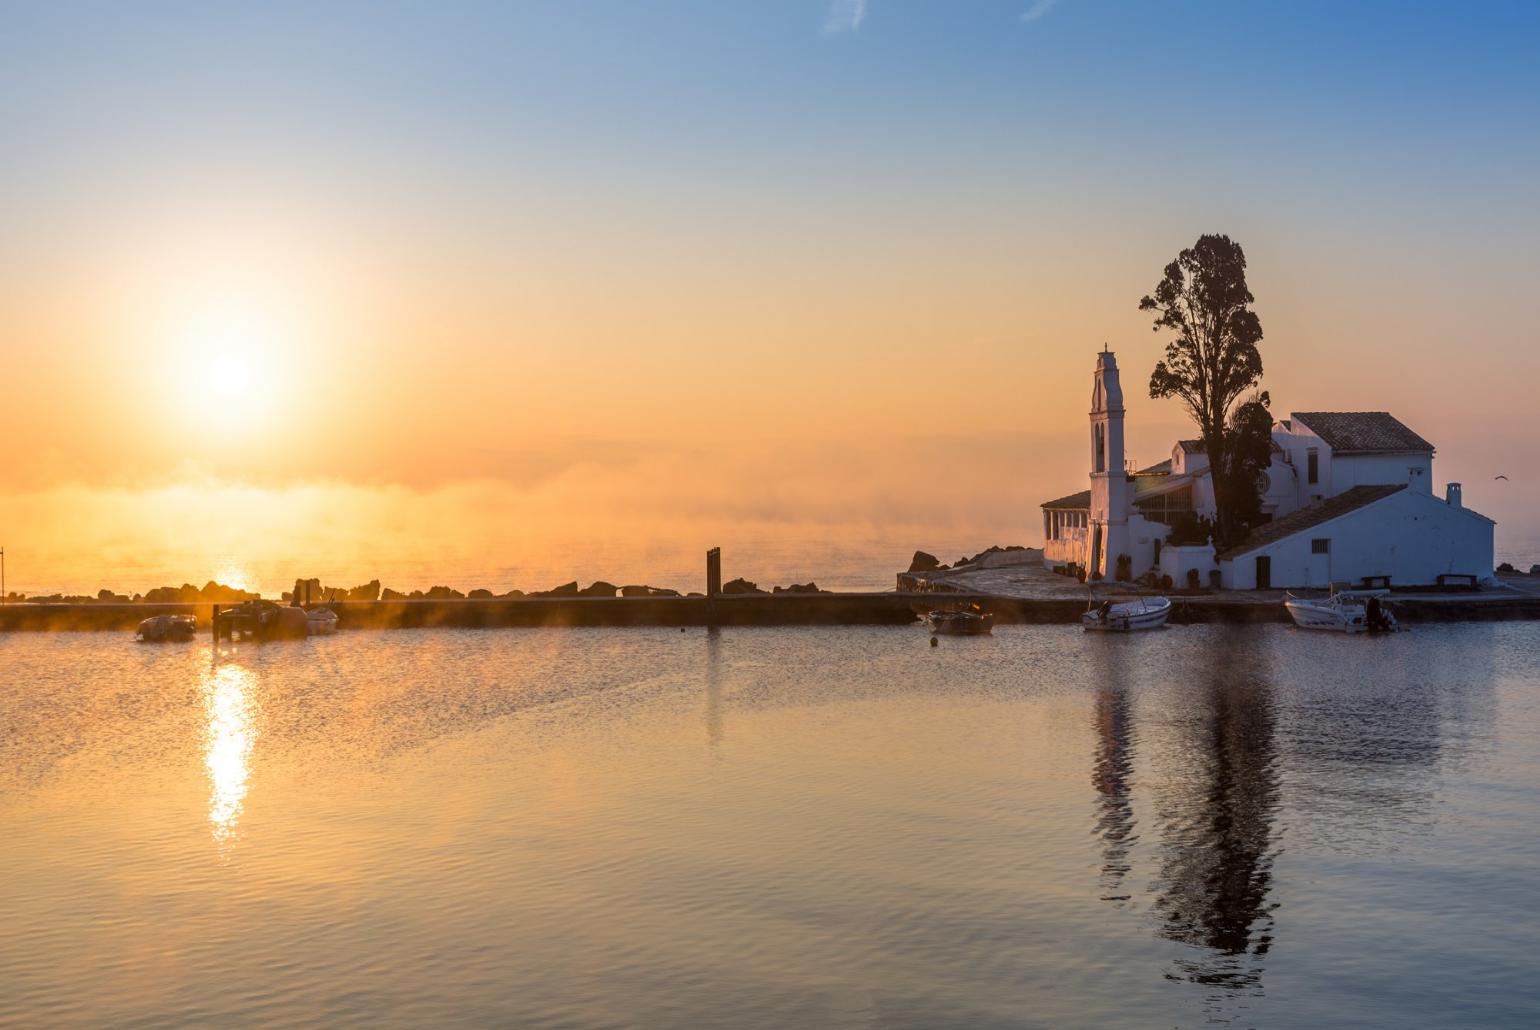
pixel 1452 495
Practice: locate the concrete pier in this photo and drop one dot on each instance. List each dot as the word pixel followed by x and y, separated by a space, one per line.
pixel 827 609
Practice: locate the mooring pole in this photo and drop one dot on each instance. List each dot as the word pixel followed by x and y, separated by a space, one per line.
pixel 713 583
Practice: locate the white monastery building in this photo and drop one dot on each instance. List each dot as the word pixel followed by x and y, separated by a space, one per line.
pixel 1348 498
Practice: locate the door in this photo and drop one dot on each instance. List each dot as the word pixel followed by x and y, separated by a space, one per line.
pixel 1264 572
pixel 1096 551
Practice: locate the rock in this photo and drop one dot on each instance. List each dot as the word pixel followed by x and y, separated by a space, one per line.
pixel 222 594
pixel 741 586
pixel 392 595
pixel 1534 570
pixel 443 594
pixel 1506 567
pixel 922 562
pixel 565 590
pixel 645 591
pixel 988 551
pixel 599 589
pixel 800 588
pixel 185 594
pixel 308 591
pixel 480 595
pixel 514 593
pixel 370 591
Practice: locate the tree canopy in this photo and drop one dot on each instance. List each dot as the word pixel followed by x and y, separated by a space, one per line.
pixel 1210 364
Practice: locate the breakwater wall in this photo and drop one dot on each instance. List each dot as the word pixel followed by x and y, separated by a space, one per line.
pixel 830 609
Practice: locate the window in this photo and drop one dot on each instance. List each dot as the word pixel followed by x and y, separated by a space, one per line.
pixel 1313 465
pixel 1320 545
pixel 1100 462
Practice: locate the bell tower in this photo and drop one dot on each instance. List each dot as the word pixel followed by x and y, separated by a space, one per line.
pixel 1109 479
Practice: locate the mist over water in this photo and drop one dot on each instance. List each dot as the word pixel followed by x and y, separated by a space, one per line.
pixel 651 525
pixel 773 827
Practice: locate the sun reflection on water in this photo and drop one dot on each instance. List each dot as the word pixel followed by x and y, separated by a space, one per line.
pixel 228 701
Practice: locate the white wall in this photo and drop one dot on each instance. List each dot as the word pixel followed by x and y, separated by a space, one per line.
pixel 1175 561
pixel 1142 534
pixel 1350 470
pixel 1297 444
pixel 1409 536
pixel 1338 473
pixel 1070 547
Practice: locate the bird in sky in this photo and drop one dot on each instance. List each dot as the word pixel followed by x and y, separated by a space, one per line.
pixel 1499 477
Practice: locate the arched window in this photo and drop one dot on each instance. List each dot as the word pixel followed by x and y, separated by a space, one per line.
pixel 1099 461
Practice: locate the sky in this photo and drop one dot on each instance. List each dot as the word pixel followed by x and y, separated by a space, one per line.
pixel 314 285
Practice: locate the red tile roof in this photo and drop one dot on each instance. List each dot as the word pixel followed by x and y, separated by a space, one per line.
pixel 1361 432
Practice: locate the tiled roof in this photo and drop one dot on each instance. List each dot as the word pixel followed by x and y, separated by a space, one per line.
pixel 1193 446
pixel 1312 516
pixel 1073 501
pixel 1348 432
pixel 1160 468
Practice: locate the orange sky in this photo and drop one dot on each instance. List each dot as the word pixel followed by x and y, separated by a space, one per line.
pixel 724 310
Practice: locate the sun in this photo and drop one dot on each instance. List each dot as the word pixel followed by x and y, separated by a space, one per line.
pixel 231 368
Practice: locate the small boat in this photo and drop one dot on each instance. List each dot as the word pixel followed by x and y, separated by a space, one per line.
pixel 320 622
pixel 1127 616
pixel 1345 611
pixel 967 623
pixel 262 620
pixel 160 628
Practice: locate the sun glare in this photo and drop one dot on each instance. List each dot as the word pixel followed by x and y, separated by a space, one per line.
pixel 232 367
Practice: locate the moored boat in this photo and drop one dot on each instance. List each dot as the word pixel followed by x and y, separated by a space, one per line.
pixel 970 623
pixel 1345 611
pixel 320 622
pixel 160 628
pixel 1127 616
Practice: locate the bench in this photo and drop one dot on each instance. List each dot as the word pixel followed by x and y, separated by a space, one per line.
pixel 1374 583
pixel 1461 580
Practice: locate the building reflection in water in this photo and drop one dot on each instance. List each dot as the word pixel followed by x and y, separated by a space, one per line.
pixel 230 716
pixel 714 688
pixel 1218 810
pixel 1112 775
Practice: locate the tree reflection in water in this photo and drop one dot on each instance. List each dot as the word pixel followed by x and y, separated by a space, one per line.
pixel 1218 810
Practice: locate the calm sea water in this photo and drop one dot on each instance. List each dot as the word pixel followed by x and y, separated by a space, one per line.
pixel 798 827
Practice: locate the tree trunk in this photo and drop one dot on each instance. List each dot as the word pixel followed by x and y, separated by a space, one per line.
pixel 1214 443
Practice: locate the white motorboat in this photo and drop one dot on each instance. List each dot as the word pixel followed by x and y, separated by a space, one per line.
pixel 1126 616
pixel 1345 611
pixel 320 622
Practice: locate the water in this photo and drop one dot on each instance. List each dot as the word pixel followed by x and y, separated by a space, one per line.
pixel 773 827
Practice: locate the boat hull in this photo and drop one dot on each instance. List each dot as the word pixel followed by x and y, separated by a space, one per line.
pixel 1332 618
pixel 960 624
pixel 1128 618
pixel 158 629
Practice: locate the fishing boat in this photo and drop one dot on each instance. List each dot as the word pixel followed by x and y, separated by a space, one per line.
pixel 971 622
pixel 1345 611
pixel 159 628
pixel 1127 616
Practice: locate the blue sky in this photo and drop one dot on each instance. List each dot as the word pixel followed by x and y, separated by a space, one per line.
pixel 809 198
